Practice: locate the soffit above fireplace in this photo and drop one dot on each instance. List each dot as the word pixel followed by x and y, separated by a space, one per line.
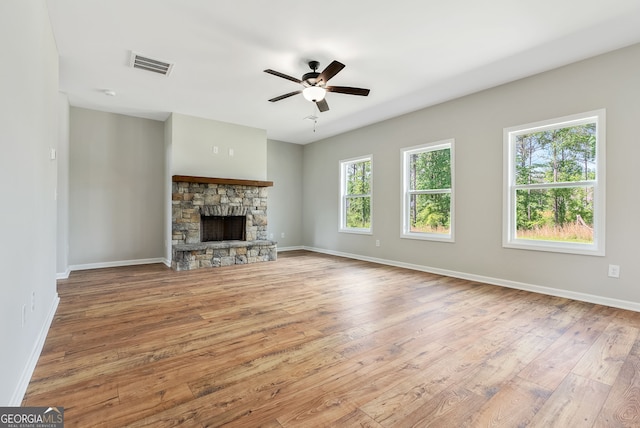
pixel 213 180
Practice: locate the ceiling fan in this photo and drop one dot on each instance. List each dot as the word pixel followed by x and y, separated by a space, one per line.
pixel 315 84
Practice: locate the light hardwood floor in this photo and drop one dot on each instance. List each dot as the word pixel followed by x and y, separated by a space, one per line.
pixel 316 340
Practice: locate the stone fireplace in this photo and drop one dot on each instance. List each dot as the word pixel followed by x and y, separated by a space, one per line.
pixel 219 222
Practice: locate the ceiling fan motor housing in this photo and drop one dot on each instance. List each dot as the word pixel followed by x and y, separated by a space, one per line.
pixel 309 79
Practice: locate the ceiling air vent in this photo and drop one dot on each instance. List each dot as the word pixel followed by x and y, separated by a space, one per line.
pixel 145 63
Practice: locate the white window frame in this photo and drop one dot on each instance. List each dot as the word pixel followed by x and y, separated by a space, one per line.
pixel 509 238
pixel 405 154
pixel 343 196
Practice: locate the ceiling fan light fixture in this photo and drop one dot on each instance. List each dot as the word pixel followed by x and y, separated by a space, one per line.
pixel 314 93
pixel 314 85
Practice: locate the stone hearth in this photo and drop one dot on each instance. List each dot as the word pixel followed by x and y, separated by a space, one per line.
pixel 196 196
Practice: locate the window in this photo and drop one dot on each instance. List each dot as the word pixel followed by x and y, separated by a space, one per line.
pixel 554 185
pixel 427 208
pixel 355 195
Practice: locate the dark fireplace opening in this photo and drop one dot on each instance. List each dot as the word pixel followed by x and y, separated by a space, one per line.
pixel 222 228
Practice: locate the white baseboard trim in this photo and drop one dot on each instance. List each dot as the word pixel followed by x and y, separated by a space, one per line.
pixel 166 262
pixel 300 247
pixel 27 373
pixel 63 275
pixel 583 297
pixel 117 264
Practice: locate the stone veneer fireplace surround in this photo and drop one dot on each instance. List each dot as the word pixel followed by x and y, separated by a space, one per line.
pixel 193 197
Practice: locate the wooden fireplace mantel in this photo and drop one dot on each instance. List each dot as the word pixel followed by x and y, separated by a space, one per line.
pixel 213 180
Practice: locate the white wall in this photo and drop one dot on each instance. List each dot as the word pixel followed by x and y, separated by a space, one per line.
pixel 116 189
pixel 29 112
pixel 476 122
pixel 193 140
pixel 284 168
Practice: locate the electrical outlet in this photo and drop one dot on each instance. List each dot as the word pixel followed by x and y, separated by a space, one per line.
pixel 614 271
pixel 24 315
pixel 231 152
pixel 214 149
pixel 33 301
pixel 282 235
pixel 377 242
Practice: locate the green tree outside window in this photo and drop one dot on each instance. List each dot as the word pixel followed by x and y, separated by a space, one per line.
pixel 356 194
pixel 555 171
pixel 428 191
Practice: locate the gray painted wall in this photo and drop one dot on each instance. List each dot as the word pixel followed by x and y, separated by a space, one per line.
pixel 109 152
pixel 168 148
pixel 116 188
pixel 28 107
pixel 62 158
pixel 476 122
pixel 284 168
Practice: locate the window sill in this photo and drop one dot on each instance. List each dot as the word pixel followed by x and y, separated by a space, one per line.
pixel 428 237
pixel 357 231
pixel 555 247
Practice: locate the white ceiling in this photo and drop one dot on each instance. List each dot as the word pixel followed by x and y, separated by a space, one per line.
pixel 411 54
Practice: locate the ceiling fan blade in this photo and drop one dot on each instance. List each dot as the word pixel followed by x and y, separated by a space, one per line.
pixel 348 90
pixel 331 70
pixel 284 76
pixel 322 105
pixel 282 97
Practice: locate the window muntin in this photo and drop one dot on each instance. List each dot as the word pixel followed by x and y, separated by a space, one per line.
pixel 355 195
pixel 554 185
pixel 428 191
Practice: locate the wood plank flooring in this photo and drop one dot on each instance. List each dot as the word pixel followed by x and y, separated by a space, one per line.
pixel 315 340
